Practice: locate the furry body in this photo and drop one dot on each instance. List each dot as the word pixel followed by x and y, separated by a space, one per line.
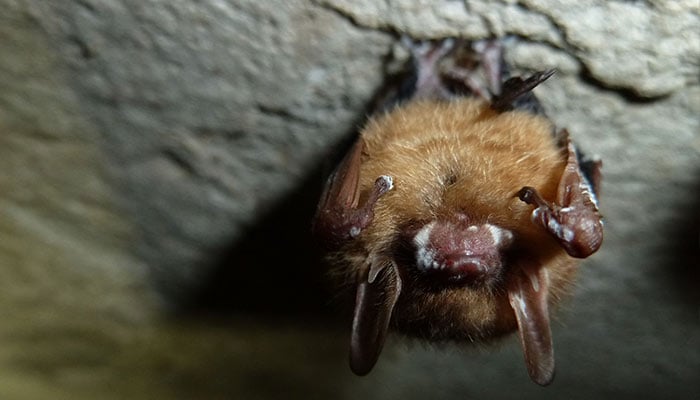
pixel 459 156
pixel 430 214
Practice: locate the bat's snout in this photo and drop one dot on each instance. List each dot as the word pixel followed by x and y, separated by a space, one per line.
pixel 461 252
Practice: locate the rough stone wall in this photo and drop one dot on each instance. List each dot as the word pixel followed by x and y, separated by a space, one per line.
pixel 164 156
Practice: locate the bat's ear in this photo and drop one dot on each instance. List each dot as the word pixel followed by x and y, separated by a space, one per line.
pixel 574 219
pixel 374 304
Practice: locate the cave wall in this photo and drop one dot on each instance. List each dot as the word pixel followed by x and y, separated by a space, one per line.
pixel 159 162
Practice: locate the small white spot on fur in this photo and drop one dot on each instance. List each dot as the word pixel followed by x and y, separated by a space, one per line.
pixel 589 224
pixel 425 257
pixel 499 235
pixel 554 226
pixel 354 232
pixel 472 228
pixel 389 181
pixel 587 191
pixel 536 214
pixel 521 305
pixel 534 281
pixel 562 232
pixel 422 237
pixel 567 234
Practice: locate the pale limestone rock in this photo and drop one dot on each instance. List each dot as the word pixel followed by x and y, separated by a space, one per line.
pixel 140 139
pixel 649 48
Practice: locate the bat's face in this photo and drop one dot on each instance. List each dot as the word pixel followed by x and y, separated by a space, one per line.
pixel 453 224
pixel 457 276
pixel 459 219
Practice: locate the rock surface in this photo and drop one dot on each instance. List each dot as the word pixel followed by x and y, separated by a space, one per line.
pixel 161 157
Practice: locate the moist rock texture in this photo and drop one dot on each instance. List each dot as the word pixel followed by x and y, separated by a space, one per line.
pixel 160 161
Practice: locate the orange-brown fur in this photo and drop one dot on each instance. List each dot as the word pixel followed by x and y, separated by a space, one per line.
pixel 460 156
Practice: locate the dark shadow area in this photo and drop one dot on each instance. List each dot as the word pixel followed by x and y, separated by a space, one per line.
pixel 628 94
pixel 684 248
pixel 276 270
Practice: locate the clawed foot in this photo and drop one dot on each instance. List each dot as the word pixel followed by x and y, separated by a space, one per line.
pixel 339 218
pixel 574 219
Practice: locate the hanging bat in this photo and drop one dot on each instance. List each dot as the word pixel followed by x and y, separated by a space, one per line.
pixel 460 212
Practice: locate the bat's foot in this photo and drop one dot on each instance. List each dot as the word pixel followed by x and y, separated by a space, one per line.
pixel 574 219
pixel 338 223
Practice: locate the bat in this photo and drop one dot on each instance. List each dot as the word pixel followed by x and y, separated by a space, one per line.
pixel 460 213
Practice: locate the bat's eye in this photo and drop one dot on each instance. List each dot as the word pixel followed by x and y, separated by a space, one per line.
pixel 449 180
pixel 460 252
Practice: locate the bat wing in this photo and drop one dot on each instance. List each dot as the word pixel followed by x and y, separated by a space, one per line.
pixel 374 303
pixel 527 295
pixel 517 93
pixel 574 219
pixel 338 217
pixel 341 189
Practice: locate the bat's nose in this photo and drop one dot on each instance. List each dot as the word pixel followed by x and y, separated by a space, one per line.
pixel 460 252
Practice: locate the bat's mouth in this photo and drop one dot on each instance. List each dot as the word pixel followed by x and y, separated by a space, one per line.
pixel 459 251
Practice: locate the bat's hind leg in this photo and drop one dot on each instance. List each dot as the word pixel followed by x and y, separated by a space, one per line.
pixel 427 56
pixel 478 69
pixel 450 68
